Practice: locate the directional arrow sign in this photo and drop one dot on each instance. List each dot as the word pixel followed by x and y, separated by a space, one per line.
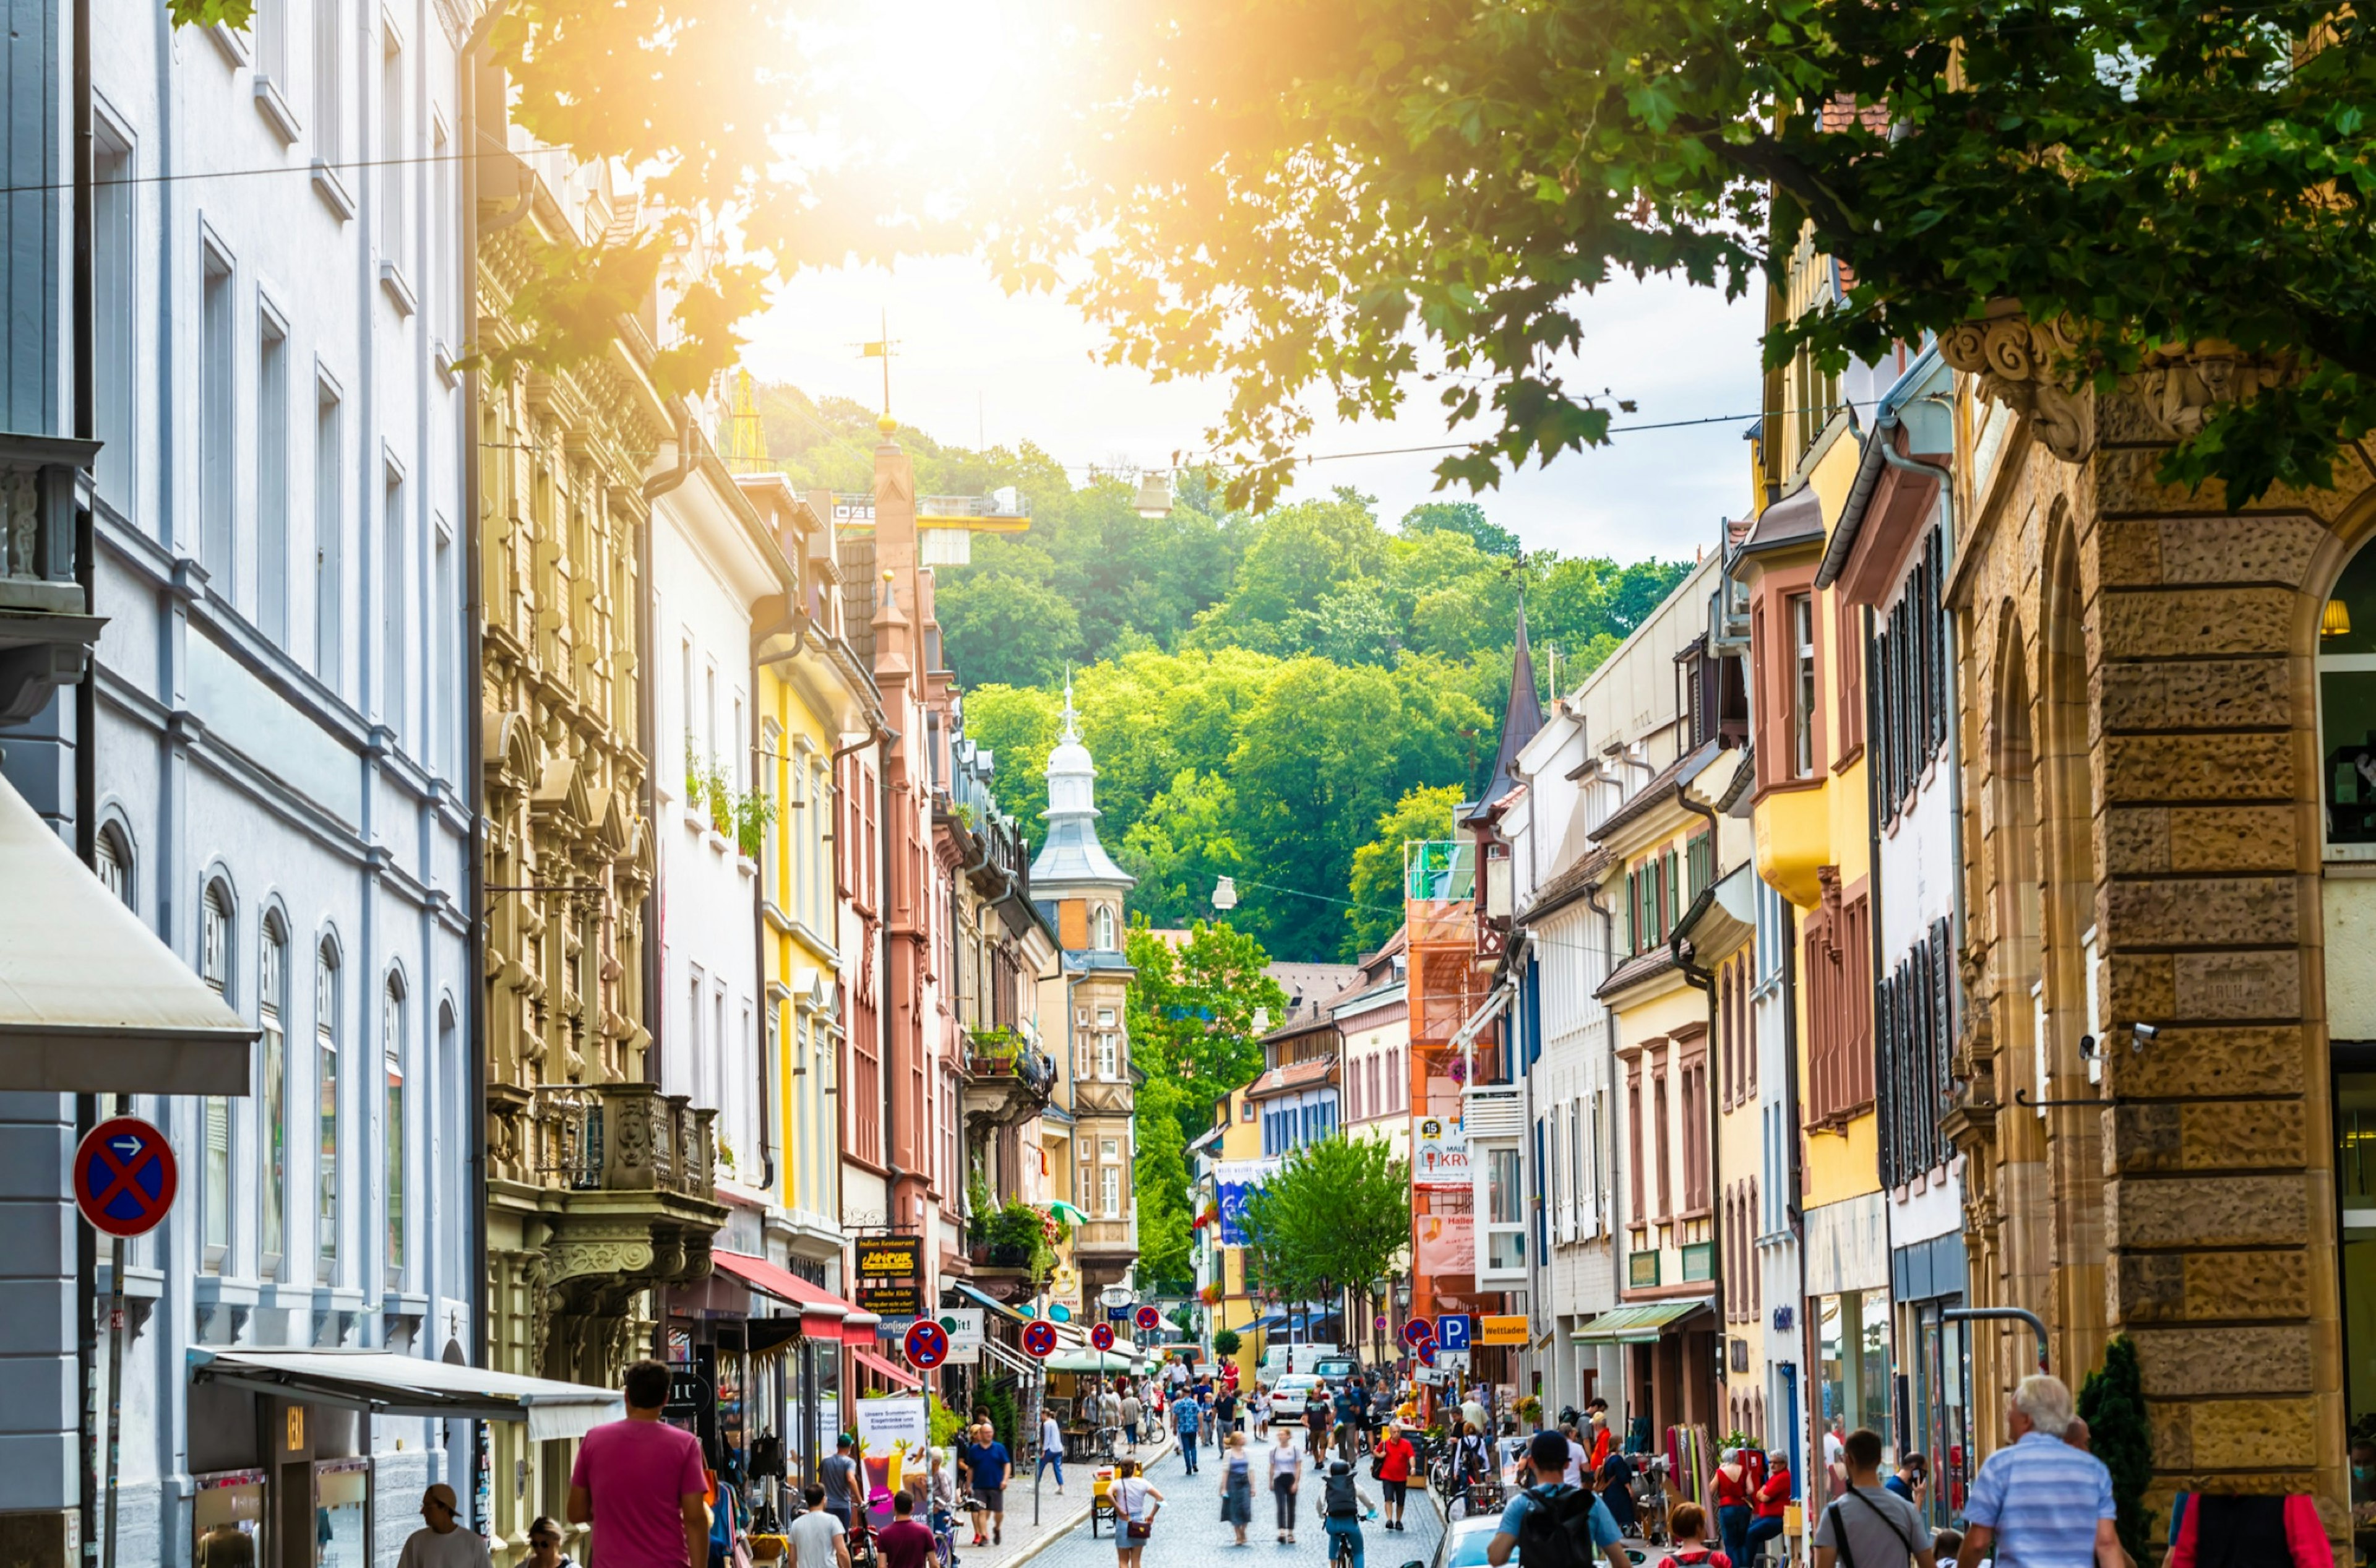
pixel 1102 1336
pixel 1148 1318
pixel 124 1177
pixel 1426 1352
pixel 1039 1338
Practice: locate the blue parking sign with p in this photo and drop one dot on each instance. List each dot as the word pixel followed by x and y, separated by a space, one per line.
pixel 1452 1332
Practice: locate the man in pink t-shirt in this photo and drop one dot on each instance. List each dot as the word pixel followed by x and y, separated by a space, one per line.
pixel 640 1483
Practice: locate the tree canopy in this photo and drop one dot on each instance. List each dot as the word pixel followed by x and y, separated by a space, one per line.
pixel 1335 1215
pixel 1331 202
pixel 1194 1038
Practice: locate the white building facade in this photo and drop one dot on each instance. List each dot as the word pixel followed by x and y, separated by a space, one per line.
pixel 282 783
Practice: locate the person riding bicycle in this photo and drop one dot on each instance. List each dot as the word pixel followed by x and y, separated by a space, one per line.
pixel 1343 1506
pixel 1472 1463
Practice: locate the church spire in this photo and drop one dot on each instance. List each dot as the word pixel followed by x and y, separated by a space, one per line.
pixel 1522 719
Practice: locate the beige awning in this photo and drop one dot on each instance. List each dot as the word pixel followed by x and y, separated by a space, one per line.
pixel 90 1002
pixel 387 1383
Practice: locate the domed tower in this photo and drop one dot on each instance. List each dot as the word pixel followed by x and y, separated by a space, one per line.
pixel 1079 888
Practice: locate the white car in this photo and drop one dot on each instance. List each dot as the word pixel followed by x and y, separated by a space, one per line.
pixel 1290 1396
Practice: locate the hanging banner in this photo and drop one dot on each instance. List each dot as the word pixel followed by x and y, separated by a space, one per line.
pixel 1233 1181
pixel 1445 1243
pixel 1439 1153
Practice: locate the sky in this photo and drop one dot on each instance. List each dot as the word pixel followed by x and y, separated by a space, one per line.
pixel 974 365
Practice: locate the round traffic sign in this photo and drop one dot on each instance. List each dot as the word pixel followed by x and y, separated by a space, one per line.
pixel 927 1344
pixel 1418 1332
pixel 1039 1338
pixel 1147 1317
pixel 125 1176
pixel 1102 1336
pixel 1426 1352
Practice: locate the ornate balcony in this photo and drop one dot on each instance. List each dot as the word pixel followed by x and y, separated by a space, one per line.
pixel 1008 1080
pixel 624 1178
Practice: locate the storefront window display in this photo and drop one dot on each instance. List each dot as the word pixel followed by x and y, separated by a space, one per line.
pixel 227 1520
pixel 1852 1351
pixel 341 1509
pixel 2355 1164
pixel 1941 1379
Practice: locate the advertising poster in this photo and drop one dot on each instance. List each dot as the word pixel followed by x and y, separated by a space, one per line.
pixel 894 1437
pixel 1446 1242
pixel 1439 1153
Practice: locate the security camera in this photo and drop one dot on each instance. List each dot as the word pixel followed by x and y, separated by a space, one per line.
pixel 2141 1035
pixel 2086 1048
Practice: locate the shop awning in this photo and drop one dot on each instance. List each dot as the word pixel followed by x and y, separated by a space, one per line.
pixel 1641 1325
pixel 815 1300
pixel 899 1374
pixel 388 1384
pixel 90 1002
pixel 984 1298
pixel 1091 1361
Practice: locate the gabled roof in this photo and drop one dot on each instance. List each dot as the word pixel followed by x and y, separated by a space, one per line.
pixel 1641 967
pixel 1571 883
pixel 1294 1076
pixel 1659 789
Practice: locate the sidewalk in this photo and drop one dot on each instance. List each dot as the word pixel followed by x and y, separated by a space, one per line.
pixel 1057 1515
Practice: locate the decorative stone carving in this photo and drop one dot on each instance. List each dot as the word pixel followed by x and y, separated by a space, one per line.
pixel 2180 388
pixel 2022 365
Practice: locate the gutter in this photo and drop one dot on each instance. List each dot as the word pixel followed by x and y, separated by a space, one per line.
pixel 646 725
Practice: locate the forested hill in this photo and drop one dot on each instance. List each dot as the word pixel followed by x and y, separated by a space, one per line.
pixel 1264 695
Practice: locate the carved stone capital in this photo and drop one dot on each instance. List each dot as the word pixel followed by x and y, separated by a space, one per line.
pixel 2022 365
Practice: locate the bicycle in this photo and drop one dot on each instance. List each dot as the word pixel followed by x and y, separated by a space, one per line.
pixel 1108 1444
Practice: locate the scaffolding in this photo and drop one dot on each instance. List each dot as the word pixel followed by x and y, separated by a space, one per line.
pixel 1449 984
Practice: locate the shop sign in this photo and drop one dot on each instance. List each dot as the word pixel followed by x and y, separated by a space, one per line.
pixel 1446 1243
pixel 1501 1329
pixel 890 1257
pixel 964 1326
pixel 1440 1154
pixel 890 1299
pixel 689 1392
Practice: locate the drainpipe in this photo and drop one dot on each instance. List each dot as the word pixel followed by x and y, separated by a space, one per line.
pixel 85 711
pixel 1693 974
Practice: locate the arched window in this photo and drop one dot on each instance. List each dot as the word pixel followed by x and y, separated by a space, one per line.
pixel 326 1087
pixel 2346 709
pixel 214 1175
pixel 113 854
pixel 391 1048
pixel 272 1102
pixel 1105 927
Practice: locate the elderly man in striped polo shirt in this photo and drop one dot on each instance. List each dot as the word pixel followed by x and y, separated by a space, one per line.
pixel 2041 1502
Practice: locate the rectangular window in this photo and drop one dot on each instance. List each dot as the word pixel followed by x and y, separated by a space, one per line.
pixel 392 601
pixel 329 81
pixel 446 654
pixel 1663 1131
pixel 272 479
pixel 1110 1192
pixel 1848 635
pixel 392 171
pixel 1802 685
pixel 218 464
pixel 1639 1172
pixel 115 362
pixel 330 539
pixel 440 282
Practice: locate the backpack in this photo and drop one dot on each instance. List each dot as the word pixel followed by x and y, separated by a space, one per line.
pixel 1339 1500
pixel 1557 1531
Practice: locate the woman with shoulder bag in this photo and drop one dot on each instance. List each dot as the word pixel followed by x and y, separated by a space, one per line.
pixel 1134 1501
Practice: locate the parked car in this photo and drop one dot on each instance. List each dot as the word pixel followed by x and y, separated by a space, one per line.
pixel 1292 1392
pixel 1335 1370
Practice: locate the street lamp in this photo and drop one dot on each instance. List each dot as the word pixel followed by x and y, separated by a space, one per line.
pixel 1154 497
pixel 1225 893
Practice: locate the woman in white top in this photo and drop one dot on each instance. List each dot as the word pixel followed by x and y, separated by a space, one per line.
pixel 1286 1476
pixel 1259 1405
pixel 1134 1501
pixel 1051 1450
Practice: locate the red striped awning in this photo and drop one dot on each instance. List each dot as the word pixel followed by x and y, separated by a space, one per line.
pixel 832 1314
pixel 899 1374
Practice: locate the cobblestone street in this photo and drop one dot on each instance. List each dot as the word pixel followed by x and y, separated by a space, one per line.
pixel 1189 1532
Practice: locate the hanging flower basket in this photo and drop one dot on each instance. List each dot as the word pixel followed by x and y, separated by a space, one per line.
pixel 1210 1295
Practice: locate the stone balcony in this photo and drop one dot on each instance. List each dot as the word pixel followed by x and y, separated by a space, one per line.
pixel 625 1179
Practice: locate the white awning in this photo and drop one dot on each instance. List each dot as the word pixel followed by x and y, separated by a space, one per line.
pixel 1484 1015
pixel 388 1384
pixel 90 1002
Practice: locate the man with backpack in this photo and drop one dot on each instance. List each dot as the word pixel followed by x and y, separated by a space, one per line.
pixel 1867 1526
pixel 1551 1524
